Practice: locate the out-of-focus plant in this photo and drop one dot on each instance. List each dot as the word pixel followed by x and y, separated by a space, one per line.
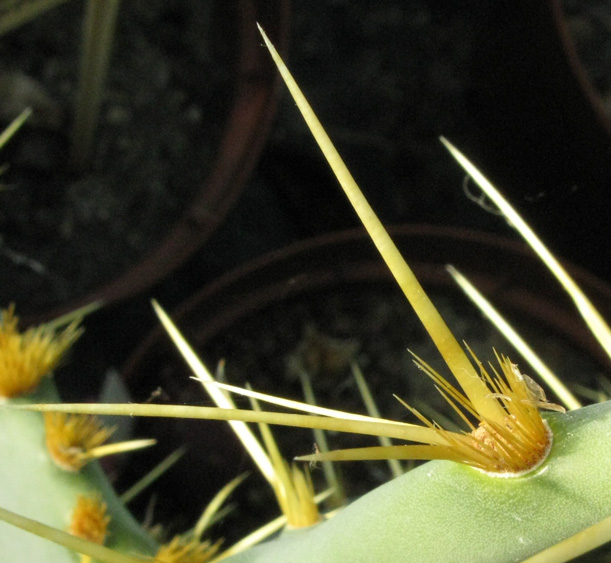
pixel 99 24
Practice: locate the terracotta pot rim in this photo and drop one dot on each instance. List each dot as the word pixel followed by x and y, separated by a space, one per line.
pixel 283 273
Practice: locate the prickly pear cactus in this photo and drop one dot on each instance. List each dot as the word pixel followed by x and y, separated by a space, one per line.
pixel 519 483
pixel 48 466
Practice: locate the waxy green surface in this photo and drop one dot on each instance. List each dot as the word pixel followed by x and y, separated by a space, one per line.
pixel 444 511
pixel 33 486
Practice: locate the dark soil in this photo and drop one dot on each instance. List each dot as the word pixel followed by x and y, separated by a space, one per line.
pixel 386 81
pixel 65 233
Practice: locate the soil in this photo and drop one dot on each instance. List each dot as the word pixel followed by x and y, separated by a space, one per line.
pixel 63 233
pixel 384 93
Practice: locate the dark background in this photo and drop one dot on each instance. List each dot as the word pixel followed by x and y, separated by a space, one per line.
pixel 386 79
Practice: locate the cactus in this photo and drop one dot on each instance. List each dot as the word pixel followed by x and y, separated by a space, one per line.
pixel 47 466
pixel 517 485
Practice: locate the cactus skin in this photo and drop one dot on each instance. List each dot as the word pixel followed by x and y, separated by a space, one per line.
pixel 445 511
pixel 32 485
